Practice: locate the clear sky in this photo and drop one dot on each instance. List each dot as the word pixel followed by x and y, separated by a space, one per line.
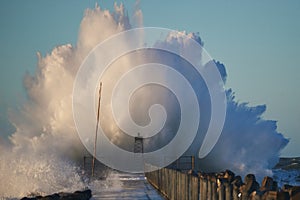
pixel 258 41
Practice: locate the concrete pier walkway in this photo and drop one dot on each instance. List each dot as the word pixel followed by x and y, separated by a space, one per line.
pixel 124 186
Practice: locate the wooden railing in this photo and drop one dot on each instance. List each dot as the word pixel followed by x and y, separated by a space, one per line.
pixel 176 185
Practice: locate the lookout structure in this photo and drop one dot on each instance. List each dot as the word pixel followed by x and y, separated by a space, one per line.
pixel 138 144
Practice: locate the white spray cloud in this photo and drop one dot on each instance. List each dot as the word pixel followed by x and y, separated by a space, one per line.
pixel 249 143
pixel 45 146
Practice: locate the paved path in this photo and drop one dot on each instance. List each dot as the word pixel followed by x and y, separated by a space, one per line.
pixel 124 186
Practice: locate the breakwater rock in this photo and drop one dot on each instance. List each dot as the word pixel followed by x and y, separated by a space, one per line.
pixel 78 195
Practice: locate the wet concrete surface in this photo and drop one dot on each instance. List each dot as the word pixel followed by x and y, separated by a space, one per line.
pixel 124 186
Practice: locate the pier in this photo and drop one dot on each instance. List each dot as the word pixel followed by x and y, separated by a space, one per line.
pixel 187 184
pixel 111 184
pixel 126 186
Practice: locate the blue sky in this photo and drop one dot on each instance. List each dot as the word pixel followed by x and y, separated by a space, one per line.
pixel 258 41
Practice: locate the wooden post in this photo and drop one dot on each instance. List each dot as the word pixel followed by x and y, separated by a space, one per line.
pixel 203 188
pixel 209 192
pixel 221 189
pixel 214 188
pixel 228 190
pixel 96 134
pixel 193 162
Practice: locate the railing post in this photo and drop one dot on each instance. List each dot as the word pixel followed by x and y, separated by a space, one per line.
pixel 221 189
pixel 214 188
pixel 203 187
pixel 228 190
pixel 193 162
pixel 209 192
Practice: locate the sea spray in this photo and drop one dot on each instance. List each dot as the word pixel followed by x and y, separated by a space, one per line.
pixel 248 144
pixel 30 173
pixel 45 149
pixel 44 153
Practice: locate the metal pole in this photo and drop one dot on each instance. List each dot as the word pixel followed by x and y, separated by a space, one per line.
pixel 95 142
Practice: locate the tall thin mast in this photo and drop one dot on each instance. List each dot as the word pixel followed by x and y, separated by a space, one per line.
pixel 95 142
